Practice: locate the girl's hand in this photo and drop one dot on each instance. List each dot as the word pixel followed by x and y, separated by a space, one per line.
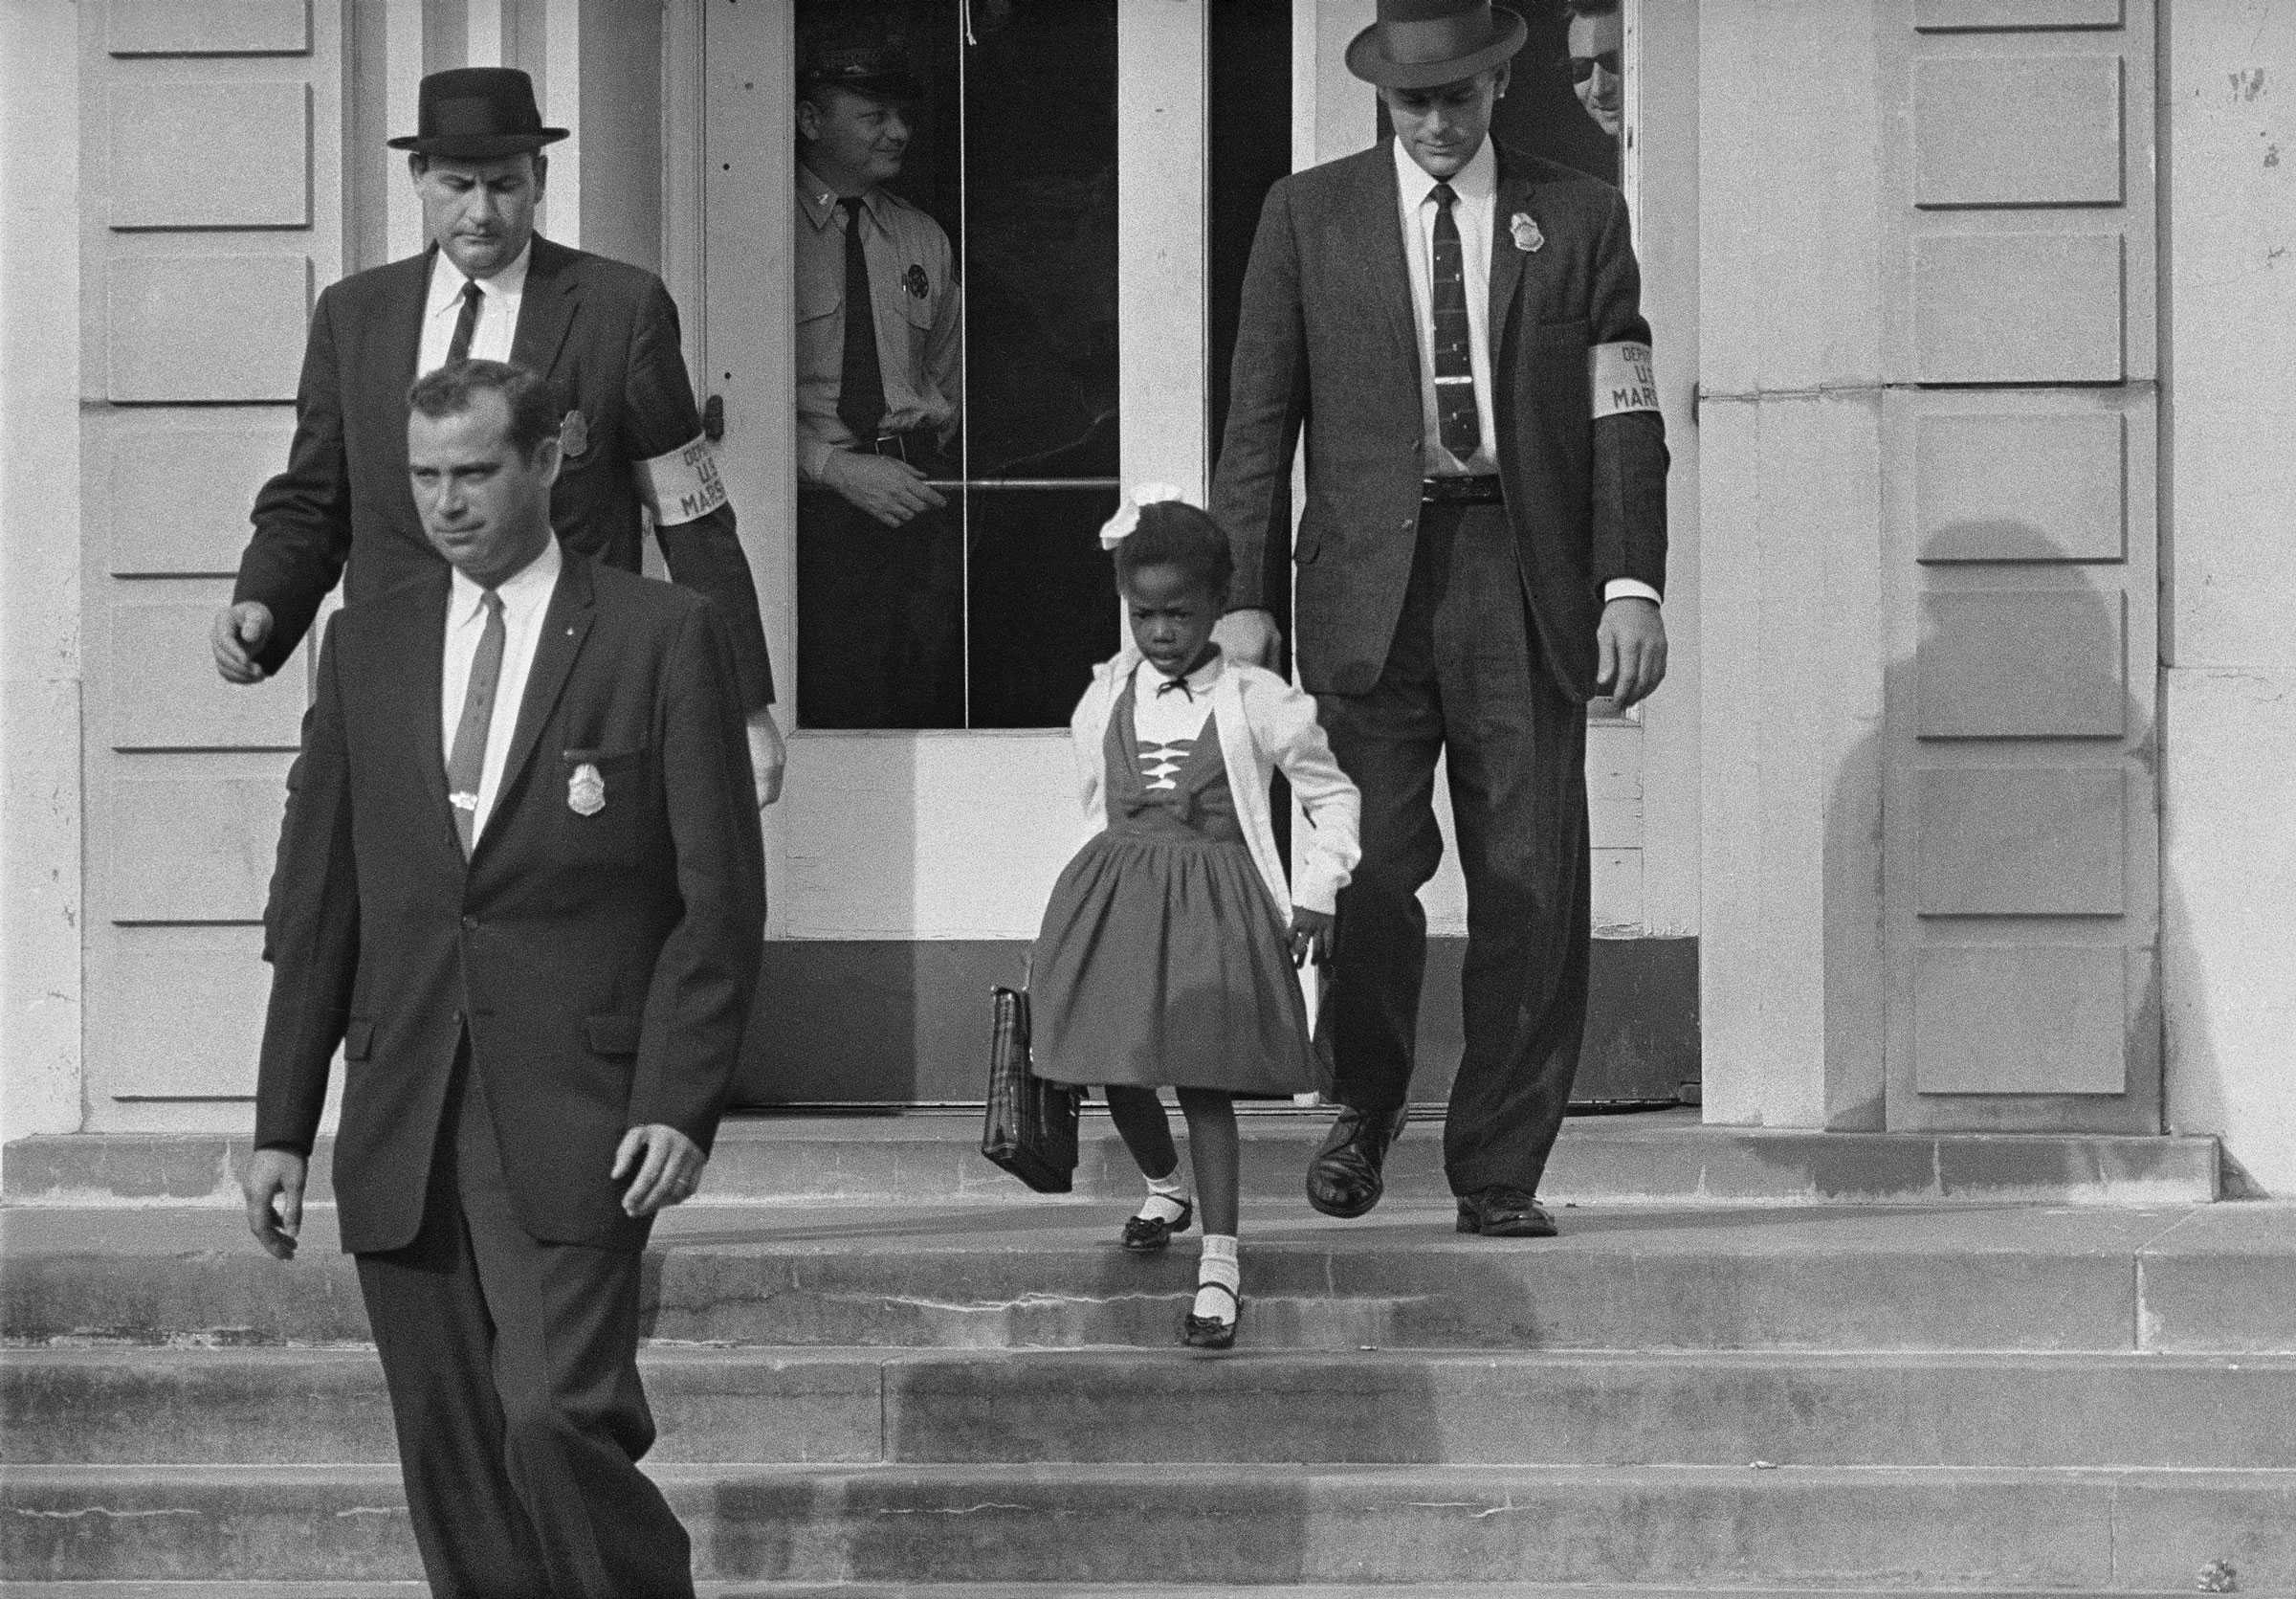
pixel 1311 936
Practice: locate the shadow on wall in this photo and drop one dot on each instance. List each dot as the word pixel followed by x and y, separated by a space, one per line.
pixel 2001 818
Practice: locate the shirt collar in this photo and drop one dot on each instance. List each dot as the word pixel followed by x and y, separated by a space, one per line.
pixel 1475 182
pixel 1199 681
pixel 820 201
pixel 529 586
pixel 447 279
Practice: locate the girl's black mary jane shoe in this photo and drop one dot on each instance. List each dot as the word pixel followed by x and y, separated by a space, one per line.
pixel 1143 1233
pixel 1209 1332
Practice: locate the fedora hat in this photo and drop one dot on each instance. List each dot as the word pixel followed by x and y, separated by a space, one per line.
pixel 477 114
pixel 1419 44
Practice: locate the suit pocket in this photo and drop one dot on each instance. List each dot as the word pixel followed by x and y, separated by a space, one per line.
pixel 607 804
pixel 611 1035
pixel 357 1038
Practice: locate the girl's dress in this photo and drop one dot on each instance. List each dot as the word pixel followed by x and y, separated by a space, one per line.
pixel 1161 962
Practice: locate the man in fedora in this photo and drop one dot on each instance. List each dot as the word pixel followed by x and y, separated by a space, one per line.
pixel 602 334
pixel 1482 552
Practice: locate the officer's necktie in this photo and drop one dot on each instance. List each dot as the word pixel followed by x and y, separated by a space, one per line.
pixel 860 381
pixel 466 762
pixel 466 323
pixel 1455 414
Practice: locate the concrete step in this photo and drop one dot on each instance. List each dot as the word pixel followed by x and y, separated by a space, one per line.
pixel 995 1407
pixel 2202 1278
pixel 1085 1591
pixel 1662 1157
pixel 1708 1526
pixel 1088 1591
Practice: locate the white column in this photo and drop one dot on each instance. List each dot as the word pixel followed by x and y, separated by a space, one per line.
pixel 484 46
pixel 402 81
pixel 1162 51
pixel 561 108
pixel 1330 106
pixel 1793 634
pixel 2229 691
pixel 40 675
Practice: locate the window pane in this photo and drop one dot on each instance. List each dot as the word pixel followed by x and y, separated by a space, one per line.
pixel 990 610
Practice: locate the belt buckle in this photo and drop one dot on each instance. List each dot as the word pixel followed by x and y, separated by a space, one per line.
pixel 899 443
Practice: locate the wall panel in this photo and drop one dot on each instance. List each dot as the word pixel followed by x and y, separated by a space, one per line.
pixel 2021 818
pixel 211 211
pixel 208 27
pixel 211 155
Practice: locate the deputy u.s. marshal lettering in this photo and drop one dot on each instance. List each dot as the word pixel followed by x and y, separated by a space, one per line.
pixel 1624 378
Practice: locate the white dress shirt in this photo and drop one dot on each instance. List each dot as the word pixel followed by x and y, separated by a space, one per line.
pixel 1477 185
pixel 525 597
pixel 497 311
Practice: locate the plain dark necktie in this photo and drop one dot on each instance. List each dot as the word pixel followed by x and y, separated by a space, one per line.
pixel 1455 414
pixel 466 762
pixel 466 323
pixel 860 380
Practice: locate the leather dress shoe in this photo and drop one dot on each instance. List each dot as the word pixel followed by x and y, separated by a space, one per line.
pixel 1144 1233
pixel 1344 1179
pixel 1504 1212
pixel 1210 1332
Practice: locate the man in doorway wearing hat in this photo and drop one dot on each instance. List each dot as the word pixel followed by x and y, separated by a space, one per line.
pixel 1597 46
pixel 881 344
pixel 602 334
pixel 1482 552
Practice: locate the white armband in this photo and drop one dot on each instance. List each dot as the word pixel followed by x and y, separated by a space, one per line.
pixel 1622 378
pixel 682 485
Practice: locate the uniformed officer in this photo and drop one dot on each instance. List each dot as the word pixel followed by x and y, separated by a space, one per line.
pixel 879 576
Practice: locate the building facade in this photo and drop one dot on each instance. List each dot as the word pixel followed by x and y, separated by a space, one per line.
pixel 1963 806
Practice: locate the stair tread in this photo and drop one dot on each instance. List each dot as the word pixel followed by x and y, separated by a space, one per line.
pixel 1086 1590
pixel 680 1354
pixel 1068 1474
pixel 1036 1227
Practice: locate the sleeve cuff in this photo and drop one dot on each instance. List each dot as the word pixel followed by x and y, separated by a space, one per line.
pixel 1629 588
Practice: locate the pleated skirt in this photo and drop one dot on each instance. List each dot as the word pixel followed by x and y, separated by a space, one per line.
pixel 1162 964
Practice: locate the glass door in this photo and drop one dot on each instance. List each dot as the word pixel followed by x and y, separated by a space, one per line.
pixel 1059 149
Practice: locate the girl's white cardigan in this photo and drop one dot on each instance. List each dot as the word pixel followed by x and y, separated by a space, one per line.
pixel 1265 724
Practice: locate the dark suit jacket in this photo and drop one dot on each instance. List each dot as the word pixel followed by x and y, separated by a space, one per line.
pixel 1328 339
pixel 604 963
pixel 606 337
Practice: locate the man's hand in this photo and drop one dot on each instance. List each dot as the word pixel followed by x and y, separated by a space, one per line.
pixel 274 1186
pixel 239 631
pixel 890 490
pixel 1311 936
pixel 768 756
pixel 667 1166
pixel 1249 636
pixel 1630 650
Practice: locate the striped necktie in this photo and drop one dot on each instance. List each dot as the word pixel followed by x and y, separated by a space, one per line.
pixel 466 762
pixel 1455 413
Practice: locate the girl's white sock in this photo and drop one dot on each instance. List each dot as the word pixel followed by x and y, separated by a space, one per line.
pixel 1218 1265
pixel 1167 1197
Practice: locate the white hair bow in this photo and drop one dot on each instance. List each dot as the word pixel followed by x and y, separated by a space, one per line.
pixel 1119 527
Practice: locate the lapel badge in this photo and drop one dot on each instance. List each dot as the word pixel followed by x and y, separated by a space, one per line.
pixel 573 435
pixel 1527 236
pixel 585 791
pixel 917 283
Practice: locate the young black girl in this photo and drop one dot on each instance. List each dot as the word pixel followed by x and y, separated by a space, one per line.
pixel 1167 954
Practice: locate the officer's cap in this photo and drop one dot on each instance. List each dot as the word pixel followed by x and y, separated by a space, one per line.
pixel 876 69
